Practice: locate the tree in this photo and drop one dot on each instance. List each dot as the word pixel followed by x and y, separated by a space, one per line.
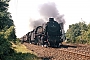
pixel 78 33
pixel 7 30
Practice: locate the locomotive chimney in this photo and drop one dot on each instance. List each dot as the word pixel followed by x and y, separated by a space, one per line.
pixel 51 19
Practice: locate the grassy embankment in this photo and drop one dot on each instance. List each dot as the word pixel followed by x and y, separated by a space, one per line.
pixel 23 53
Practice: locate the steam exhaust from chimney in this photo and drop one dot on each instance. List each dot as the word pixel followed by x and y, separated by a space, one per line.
pixel 47 10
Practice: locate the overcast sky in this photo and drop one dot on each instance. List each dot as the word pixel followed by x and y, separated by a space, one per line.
pixel 23 10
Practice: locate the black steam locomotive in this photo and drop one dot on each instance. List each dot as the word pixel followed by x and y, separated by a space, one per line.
pixel 50 34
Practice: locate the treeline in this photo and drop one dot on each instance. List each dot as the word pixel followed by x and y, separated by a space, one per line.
pixel 7 36
pixel 7 30
pixel 78 33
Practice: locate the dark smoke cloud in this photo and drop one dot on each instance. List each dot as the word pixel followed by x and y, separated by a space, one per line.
pixel 50 10
pixel 34 23
pixel 60 18
pixel 47 10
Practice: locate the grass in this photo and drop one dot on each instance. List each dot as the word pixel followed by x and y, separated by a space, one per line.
pixel 21 48
pixel 22 53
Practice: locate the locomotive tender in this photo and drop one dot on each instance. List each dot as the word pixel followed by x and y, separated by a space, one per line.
pixel 50 34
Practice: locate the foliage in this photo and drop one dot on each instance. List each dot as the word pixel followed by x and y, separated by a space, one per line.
pixel 7 30
pixel 10 33
pixel 5 17
pixel 78 33
pixel 21 56
pixel 22 53
pixel 7 35
pixel 4 46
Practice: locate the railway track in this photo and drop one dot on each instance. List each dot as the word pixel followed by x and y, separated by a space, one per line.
pixel 68 53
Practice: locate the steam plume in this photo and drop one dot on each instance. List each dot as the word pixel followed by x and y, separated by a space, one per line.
pixel 48 10
pixel 35 23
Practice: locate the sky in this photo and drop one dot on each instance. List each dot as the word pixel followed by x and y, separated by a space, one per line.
pixel 23 10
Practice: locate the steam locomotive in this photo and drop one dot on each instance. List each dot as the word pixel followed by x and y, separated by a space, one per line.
pixel 49 34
